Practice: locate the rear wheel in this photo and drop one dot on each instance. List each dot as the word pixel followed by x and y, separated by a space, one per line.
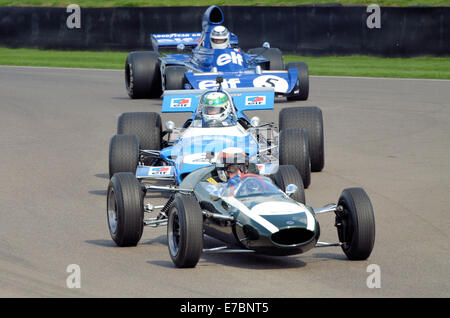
pixel 123 154
pixel 311 119
pixel 286 175
pixel 294 150
pixel 174 77
pixel 274 56
pixel 185 231
pixel 303 81
pixel 146 125
pixel 356 224
pixel 125 211
pixel 143 75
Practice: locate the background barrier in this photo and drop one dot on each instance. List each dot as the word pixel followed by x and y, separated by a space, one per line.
pixel 307 30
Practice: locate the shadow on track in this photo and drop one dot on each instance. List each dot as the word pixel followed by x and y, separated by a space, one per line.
pixel 98 192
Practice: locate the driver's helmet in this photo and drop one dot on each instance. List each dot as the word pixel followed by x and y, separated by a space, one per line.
pixel 216 107
pixel 230 160
pixel 219 37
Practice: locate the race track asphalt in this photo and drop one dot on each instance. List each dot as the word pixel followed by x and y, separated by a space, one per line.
pixel 391 137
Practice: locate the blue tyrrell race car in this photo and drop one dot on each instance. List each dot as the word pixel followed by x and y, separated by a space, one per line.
pixel 141 146
pixel 148 73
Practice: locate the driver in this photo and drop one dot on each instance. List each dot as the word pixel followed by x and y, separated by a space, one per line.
pixel 232 163
pixel 220 37
pixel 216 110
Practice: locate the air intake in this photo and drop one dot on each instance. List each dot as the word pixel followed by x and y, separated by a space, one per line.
pixel 292 236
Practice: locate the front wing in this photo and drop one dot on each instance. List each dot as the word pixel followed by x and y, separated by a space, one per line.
pixel 283 82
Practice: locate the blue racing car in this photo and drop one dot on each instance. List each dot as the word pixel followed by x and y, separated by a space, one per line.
pixel 214 52
pixel 217 125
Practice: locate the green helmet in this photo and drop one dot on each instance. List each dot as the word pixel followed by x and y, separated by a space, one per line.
pixel 216 106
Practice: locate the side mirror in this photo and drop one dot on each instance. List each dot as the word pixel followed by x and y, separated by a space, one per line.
pixel 255 121
pixel 291 189
pixel 266 45
pixel 170 125
pixel 180 47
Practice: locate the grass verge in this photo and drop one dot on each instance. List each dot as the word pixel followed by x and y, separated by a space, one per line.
pixel 417 67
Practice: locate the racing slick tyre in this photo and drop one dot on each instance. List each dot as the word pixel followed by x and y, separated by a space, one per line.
pixel 286 175
pixel 185 231
pixel 311 119
pixel 303 81
pixel 356 224
pixel 125 210
pixel 143 75
pixel 123 154
pixel 174 77
pixel 274 56
pixel 146 125
pixel 293 149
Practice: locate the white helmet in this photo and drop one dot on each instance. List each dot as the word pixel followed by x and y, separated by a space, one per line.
pixel 220 37
pixel 216 107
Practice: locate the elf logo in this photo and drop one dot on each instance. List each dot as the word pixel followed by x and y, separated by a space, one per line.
pixel 232 57
pixel 180 102
pixel 159 171
pixel 255 100
pixel 227 83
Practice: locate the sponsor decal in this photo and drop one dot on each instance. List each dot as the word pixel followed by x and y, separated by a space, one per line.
pixel 227 83
pixel 176 35
pixel 279 84
pixel 232 57
pixel 255 100
pixel 180 102
pixel 159 171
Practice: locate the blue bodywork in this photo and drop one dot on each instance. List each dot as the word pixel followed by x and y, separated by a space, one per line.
pixel 204 64
pixel 189 152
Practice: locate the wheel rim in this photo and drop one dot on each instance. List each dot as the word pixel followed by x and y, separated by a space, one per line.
pixel 128 76
pixel 174 232
pixel 345 231
pixel 112 212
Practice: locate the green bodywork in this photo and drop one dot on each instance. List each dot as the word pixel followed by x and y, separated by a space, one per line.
pixel 290 237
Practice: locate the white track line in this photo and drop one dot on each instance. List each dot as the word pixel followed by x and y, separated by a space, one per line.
pixel 61 68
pixel 312 76
pixel 379 78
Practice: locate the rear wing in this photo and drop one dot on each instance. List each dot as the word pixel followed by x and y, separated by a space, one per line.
pixel 171 40
pixel 189 40
pixel 186 101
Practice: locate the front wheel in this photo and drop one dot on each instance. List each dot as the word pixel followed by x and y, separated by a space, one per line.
pixel 287 175
pixel 143 75
pixel 125 212
pixel 294 150
pixel 356 224
pixel 311 119
pixel 174 77
pixel 146 125
pixel 302 83
pixel 123 154
pixel 185 231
